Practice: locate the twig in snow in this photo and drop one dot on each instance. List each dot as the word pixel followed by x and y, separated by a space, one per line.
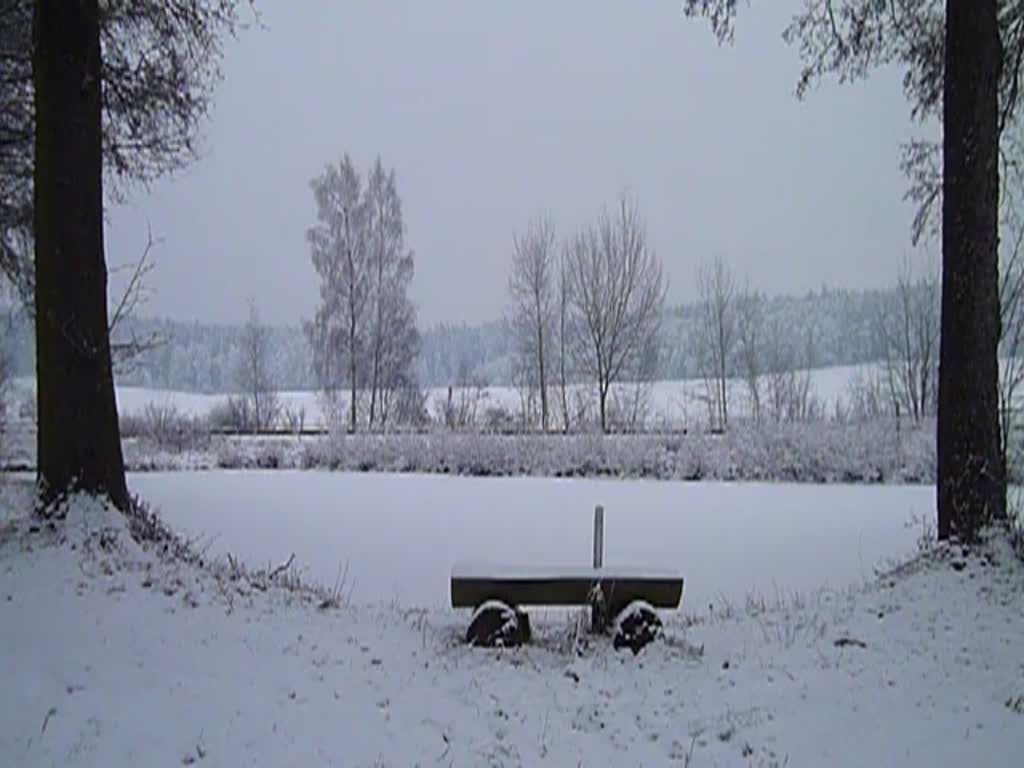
pixel 447 747
pixel 46 720
pixel 843 642
pixel 688 760
pixel 281 568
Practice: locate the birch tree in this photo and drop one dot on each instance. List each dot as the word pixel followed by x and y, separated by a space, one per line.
pixel 616 293
pixel 340 250
pixel 393 338
pixel 532 287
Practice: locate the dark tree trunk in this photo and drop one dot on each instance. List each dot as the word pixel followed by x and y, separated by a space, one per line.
pixel 603 398
pixel 79 444
pixel 543 373
pixel 971 473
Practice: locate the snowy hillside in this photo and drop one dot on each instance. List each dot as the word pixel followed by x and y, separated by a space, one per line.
pixel 113 655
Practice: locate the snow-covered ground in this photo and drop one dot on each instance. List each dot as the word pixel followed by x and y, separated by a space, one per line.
pixel 400 534
pixel 111 656
pixel 678 403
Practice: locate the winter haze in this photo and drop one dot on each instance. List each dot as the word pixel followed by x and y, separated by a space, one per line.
pixel 494 112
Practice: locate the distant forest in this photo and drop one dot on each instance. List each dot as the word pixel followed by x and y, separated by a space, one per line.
pixel 201 357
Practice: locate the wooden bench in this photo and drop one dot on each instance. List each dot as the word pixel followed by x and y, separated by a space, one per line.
pixel 497 594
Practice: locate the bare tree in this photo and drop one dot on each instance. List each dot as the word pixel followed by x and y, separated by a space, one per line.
pixel 789 358
pixel 460 407
pixel 340 248
pixel 1011 296
pixel 126 345
pixel 749 322
pixel 617 295
pixel 962 62
pixel 532 287
pixel 630 404
pixel 717 337
pixel 780 366
pixel 5 378
pixel 908 327
pixel 564 334
pixel 393 338
pixel 254 376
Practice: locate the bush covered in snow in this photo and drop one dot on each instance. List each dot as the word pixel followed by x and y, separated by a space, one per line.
pixel 825 453
pixel 822 453
pixel 166 428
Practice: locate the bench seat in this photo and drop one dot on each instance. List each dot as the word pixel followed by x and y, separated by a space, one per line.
pixel 472 584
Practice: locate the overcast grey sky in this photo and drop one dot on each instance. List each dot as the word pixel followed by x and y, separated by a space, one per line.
pixel 492 112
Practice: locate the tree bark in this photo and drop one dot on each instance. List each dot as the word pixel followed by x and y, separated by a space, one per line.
pixel 540 364
pixel 603 398
pixel 78 443
pixel 971 472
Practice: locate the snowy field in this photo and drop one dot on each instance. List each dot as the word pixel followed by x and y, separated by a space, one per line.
pixel 679 403
pixel 113 656
pixel 400 534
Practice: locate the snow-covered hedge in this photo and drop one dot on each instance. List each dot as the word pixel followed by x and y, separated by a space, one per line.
pixel 819 453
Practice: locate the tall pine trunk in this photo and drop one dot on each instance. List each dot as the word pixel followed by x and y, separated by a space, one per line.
pixel 79 444
pixel 971 472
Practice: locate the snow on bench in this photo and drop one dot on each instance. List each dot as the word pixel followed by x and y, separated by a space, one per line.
pixel 498 592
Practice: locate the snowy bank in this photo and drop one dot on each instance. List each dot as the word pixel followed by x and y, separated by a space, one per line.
pixel 112 655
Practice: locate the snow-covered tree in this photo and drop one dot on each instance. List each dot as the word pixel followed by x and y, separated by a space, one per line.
pixel 393 337
pixel 364 332
pixel 341 250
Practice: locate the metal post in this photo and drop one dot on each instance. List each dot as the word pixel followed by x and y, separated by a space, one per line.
pixel 598 609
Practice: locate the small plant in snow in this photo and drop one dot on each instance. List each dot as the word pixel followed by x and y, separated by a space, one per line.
pixel 1017 537
pixel 926 537
pixel 340 594
pixel 1015 513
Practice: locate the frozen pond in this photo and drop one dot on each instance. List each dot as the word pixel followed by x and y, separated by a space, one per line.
pixel 400 534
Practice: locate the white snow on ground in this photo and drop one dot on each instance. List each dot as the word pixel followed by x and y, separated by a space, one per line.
pixel 111 657
pixel 400 534
pixel 679 403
